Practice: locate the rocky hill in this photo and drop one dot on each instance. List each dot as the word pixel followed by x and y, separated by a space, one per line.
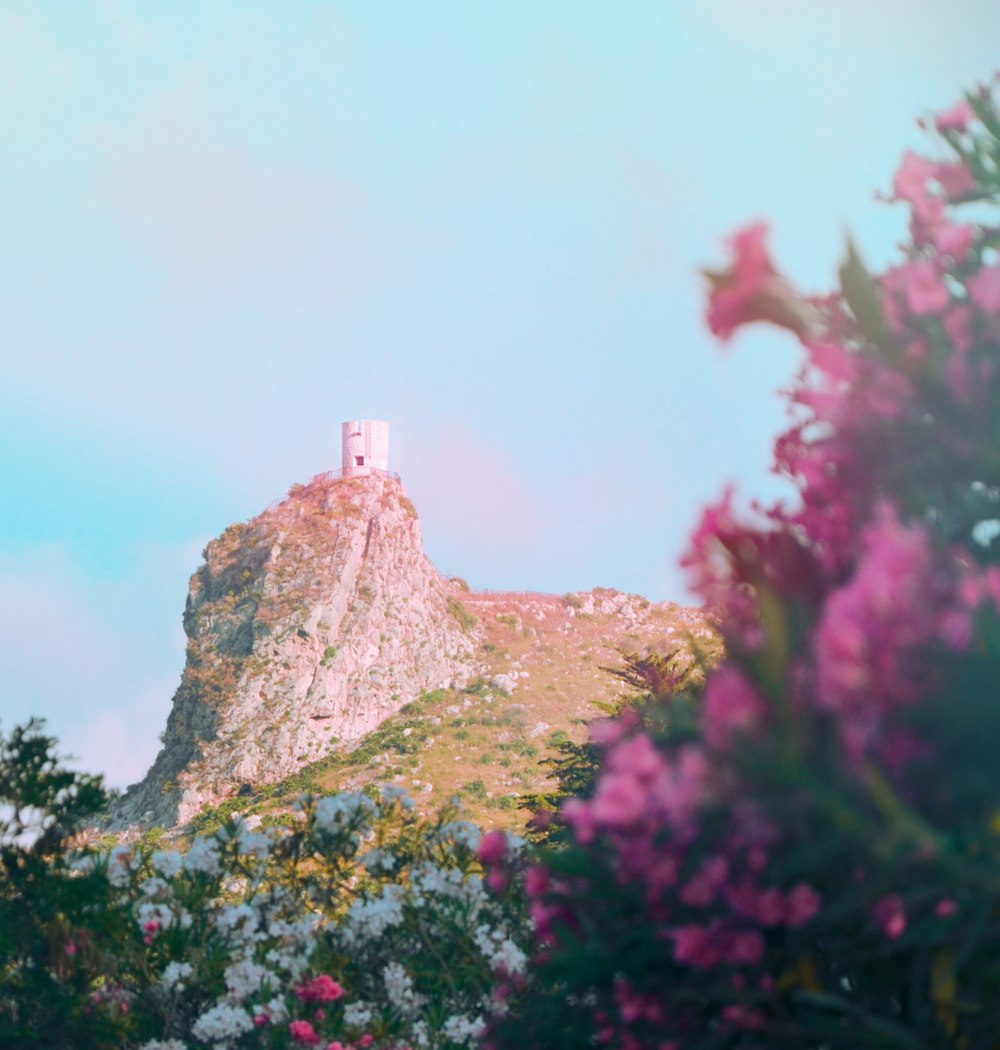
pixel 325 651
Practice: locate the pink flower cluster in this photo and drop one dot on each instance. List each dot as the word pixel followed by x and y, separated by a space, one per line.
pixel 320 989
pixel 843 611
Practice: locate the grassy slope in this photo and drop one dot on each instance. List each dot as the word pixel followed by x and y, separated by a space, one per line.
pixel 484 743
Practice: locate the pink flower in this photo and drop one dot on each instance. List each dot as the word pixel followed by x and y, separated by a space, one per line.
pixel 925 292
pixel 746 947
pixel 536 880
pixel 912 176
pixel 321 989
pixel 731 707
pixel 954 178
pixel 958 328
pixel 874 629
pixel 954 240
pixel 701 889
pixel 945 908
pixel 954 119
pixel 803 904
pixel 366 1040
pixel 694 946
pixel 890 914
pixel 751 290
pixel 745 1017
pixel 984 289
pixel 637 757
pixel 620 800
pixel 497 880
pixel 303 1032
pixel 492 848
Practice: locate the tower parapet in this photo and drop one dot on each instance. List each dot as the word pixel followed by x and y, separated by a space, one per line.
pixel 364 446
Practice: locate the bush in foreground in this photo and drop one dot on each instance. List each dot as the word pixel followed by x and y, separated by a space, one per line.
pixel 363 925
pixel 810 855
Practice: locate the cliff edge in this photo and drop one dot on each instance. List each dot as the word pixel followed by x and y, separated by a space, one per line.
pixel 307 626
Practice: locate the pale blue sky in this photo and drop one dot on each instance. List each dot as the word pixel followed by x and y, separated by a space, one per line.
pixel 229 226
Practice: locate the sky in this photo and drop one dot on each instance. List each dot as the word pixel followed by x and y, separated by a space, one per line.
pixel 228 227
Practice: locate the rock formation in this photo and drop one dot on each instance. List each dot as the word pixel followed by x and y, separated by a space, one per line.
pixel 306 627
pixel 319 620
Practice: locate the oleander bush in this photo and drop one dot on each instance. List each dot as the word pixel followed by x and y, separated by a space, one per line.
pixel 363 924
pixel 808 853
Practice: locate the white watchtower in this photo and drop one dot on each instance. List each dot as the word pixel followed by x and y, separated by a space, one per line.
pixel 365 445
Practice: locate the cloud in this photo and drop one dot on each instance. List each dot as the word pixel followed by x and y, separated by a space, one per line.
pixel 98 659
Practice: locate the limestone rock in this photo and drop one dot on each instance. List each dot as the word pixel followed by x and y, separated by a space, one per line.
pixel 307 626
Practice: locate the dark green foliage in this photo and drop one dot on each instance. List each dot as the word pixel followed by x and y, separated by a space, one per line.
pixel 50 948
pixel 465 619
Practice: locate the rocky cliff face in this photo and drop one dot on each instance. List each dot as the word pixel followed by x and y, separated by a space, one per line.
pixel 307 626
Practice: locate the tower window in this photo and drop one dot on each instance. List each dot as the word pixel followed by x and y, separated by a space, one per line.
pixel 359 461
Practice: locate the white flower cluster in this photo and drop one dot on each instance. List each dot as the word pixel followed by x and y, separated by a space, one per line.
pixel 431 879
pixel 399 989
pixel 167 862
pixel 203 856
pixel 254 927
pixel 461 1029
pixel 357 1015
pixel 122 862
pixel 335 812
pixel 222 1023
pixel 500 951
pixel 174 974
pixel 393 792
pixel 244 978
pixel 379 860
pixel 367 920
pixel 461 832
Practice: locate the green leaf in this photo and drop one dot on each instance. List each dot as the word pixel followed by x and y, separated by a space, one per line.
pixel 862 294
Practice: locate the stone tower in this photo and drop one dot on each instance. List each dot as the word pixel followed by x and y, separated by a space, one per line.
pixel 365 446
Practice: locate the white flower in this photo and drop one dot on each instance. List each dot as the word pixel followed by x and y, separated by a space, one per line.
pixel 174 973
pixel 154 887
pixel 501 952
pixel 203 856
pixel 252 843
pixel 357 1015
pixel 244 978
pixel 379 860
pixel 238 921
pixel 277 1009
pixel 399 990
pixel 391 792
pixel 223 1022
pixel 461 1029
pixel 461 832
pixel 418 1032
pixel 451 883
pixel 81 862
pixel 167 862
pixel 338 811
pixel 164 1044
pixel 368 919
pixel 154 916
pixel 122 861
